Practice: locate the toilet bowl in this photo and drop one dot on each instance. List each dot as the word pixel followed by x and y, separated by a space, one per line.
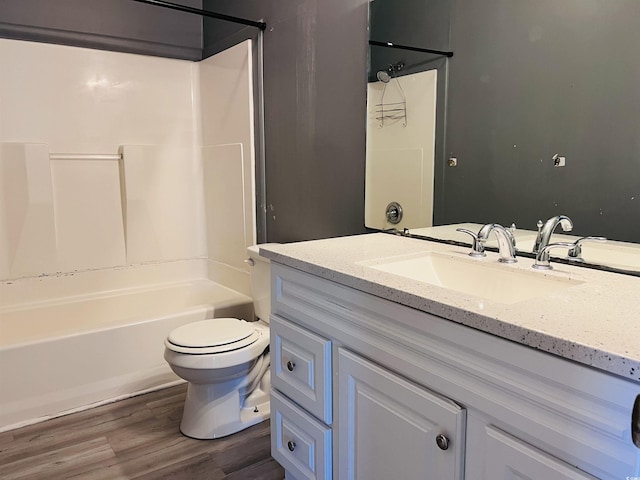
pixel 226 362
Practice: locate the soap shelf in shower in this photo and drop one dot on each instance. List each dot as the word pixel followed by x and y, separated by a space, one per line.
pixel 392 112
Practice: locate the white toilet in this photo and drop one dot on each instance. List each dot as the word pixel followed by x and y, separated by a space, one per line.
pixel 226 362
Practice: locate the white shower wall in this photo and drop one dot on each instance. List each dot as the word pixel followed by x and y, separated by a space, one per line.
pixel 226 103
pixel 400 153
pixel 61 215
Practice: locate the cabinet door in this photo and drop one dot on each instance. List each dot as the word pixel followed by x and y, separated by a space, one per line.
pixel 389 427
pixel 508 458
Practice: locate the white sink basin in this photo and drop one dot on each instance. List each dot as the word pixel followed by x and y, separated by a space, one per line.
pixel 491 281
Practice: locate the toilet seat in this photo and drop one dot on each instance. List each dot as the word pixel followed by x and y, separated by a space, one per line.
pixel 217 335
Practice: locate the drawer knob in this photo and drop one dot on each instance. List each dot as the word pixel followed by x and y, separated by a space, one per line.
pixel 442 442
pixel 291 445
pixel 290 366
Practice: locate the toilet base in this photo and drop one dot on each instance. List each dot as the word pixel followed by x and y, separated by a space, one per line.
pixel 214 411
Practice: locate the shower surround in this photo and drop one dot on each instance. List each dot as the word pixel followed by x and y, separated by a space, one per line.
pixel 113 171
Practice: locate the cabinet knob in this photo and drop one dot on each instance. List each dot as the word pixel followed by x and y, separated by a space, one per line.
pixel 442 442
pixel 291 445
pixel 290 366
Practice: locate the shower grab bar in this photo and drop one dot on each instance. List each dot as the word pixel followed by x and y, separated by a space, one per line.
pixel 85 156
pixel 204 13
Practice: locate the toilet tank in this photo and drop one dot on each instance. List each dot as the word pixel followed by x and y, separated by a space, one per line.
pixel 260 283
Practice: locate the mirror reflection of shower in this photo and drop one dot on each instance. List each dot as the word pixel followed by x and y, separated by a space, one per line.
pixel 393 103
pixel 400 154
pixel 385 76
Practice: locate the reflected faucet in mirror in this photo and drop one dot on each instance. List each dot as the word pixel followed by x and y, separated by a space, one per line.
pixel 575 253
pixel 545 231
pixel 543 257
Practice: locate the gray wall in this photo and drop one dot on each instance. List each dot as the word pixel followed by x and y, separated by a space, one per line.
pixel 533 78
pixel 315 91
pixel 118 25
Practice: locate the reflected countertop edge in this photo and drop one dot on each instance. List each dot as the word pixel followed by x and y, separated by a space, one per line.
pixel 596 322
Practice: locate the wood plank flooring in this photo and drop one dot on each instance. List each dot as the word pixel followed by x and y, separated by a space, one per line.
pixel 137 438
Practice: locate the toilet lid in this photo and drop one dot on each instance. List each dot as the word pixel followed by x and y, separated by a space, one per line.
pixel 213 333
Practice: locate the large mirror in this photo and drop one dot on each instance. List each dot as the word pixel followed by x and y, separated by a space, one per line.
pixel 536 114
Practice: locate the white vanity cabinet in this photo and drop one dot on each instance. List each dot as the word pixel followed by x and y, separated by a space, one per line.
pixel 385 391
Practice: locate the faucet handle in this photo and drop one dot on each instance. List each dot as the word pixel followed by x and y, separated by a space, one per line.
pixel 543 258
pixel 513 229
pixel 536 245
pixel 477 246
pixel 575 253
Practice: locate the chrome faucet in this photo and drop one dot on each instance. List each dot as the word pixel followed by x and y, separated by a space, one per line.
pixel 575 252
pixel 545 231
pixel 506 241
pixel 543 258
pixel 477 247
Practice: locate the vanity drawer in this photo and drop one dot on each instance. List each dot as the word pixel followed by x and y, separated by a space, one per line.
pixel 301 367
pixel 299 442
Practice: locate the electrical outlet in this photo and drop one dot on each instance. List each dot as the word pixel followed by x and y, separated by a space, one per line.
pixel 558 161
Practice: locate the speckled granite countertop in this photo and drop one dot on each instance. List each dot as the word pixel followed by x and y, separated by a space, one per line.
pixel 595 322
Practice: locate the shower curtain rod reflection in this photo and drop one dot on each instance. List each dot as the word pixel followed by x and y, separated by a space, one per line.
pixel 204 13
pixel 410 48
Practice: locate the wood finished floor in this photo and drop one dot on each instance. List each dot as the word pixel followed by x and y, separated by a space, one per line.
pixel 134 438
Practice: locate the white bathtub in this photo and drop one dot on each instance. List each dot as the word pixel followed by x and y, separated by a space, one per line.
pixel 63 354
